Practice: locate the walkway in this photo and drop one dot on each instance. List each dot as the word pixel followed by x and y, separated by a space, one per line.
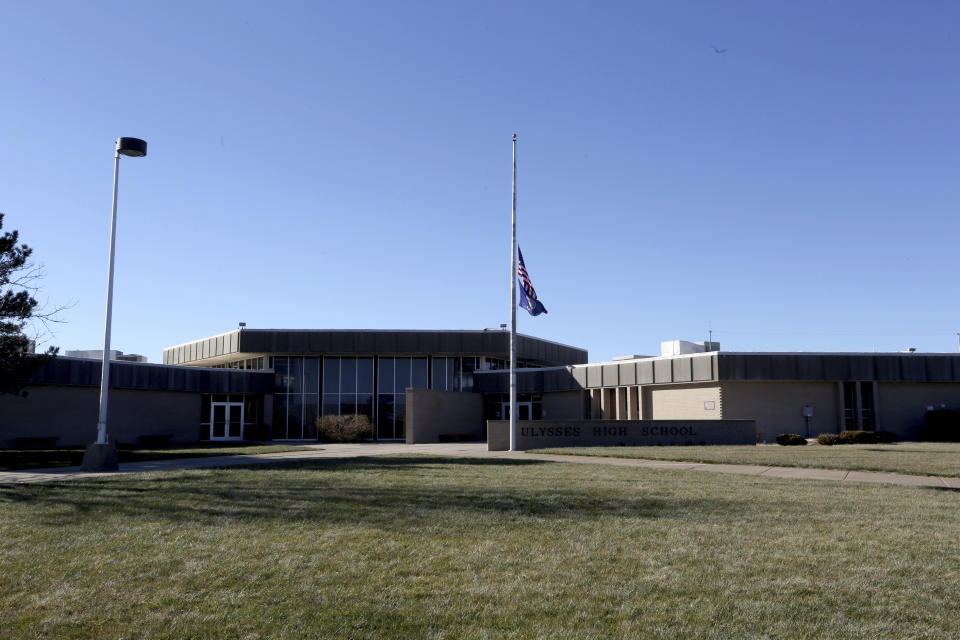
pixel 472 450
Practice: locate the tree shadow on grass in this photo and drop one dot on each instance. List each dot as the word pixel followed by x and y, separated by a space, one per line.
pixel 395 493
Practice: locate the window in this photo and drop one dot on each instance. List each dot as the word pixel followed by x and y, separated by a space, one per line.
pixel 443 371
pixel 858 410
pixel 347 386
pixel 395 376
pixel 465 373
pixel 296 398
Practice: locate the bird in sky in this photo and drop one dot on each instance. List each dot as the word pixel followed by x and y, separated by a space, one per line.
pixel 718 50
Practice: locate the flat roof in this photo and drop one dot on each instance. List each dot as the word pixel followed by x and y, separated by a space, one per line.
pixel 714 367
pixel 245 343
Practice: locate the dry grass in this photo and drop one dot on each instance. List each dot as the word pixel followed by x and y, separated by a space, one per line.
pixel 419 547
pixel 917 458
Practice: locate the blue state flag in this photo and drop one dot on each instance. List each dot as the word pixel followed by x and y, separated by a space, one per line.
pixel 528 296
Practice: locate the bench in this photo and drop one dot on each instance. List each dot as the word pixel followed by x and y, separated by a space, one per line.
pixel 36 442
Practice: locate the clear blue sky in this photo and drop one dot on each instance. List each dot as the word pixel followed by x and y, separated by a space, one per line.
pixel 347 165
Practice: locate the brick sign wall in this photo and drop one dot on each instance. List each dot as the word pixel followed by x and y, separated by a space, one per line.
pixel 537 434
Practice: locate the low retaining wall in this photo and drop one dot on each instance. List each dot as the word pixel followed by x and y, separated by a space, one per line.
pixel 537 434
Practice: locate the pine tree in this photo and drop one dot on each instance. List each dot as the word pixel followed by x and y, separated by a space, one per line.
pixel 17 306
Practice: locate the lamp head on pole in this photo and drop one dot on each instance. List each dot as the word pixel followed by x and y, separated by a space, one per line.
pixel 133 147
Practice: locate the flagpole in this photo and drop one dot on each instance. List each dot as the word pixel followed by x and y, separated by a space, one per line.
pixel 513 306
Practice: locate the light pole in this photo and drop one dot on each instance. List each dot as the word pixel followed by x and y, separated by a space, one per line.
pixel 101 455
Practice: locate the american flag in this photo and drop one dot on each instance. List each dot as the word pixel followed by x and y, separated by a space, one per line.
pixel 528 296
pixel 524 278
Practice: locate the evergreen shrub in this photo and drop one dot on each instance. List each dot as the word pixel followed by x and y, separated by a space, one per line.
pixel 346 428
pixel 887 437
pixel 858 437
pixel 791 439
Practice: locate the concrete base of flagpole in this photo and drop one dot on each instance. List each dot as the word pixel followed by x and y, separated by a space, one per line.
pixel 100 457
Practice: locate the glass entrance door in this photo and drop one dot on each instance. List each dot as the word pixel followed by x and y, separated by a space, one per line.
pixel 226 420
pixel 524 410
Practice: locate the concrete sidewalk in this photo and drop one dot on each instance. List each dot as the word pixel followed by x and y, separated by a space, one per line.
pixel 471 450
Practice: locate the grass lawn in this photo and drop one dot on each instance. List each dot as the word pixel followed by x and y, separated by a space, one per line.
pixel 13 459
pixel 423 547
pixel 918 458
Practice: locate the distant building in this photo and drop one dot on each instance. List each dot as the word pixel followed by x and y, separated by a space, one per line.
pixel 97 354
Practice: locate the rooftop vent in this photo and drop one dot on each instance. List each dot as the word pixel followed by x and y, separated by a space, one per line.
pixel 682 347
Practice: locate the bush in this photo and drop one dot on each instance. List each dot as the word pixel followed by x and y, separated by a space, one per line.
pixel 348 428
pixel 858 437
pixel 791 439
pixel 941 425
pixel 887 437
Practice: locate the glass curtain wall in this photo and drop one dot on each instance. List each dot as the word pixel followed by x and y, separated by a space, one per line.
pixel 348 387
pixel 453 374
pixel 395 376
pixel 249 363
pixel 295 399
pixel 443 374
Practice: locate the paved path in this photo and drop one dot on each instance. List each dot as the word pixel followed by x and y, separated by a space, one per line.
pixel 471 450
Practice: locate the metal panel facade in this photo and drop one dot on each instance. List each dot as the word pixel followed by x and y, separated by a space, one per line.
pixel 839 367
pixel 682 370
pixel 368 342
pixel 580 376
pixel 703 368
pixel 152 377
pixel 595 376
pixel 610 375
pixel 645 372
pixel 662 371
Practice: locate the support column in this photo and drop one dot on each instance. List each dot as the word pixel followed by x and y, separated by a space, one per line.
pixel 633 403
pixel 622 403
pixel 841 408
pixel 876 407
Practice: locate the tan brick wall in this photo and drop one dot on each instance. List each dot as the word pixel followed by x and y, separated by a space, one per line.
pixel 777 406
pixel 682 402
